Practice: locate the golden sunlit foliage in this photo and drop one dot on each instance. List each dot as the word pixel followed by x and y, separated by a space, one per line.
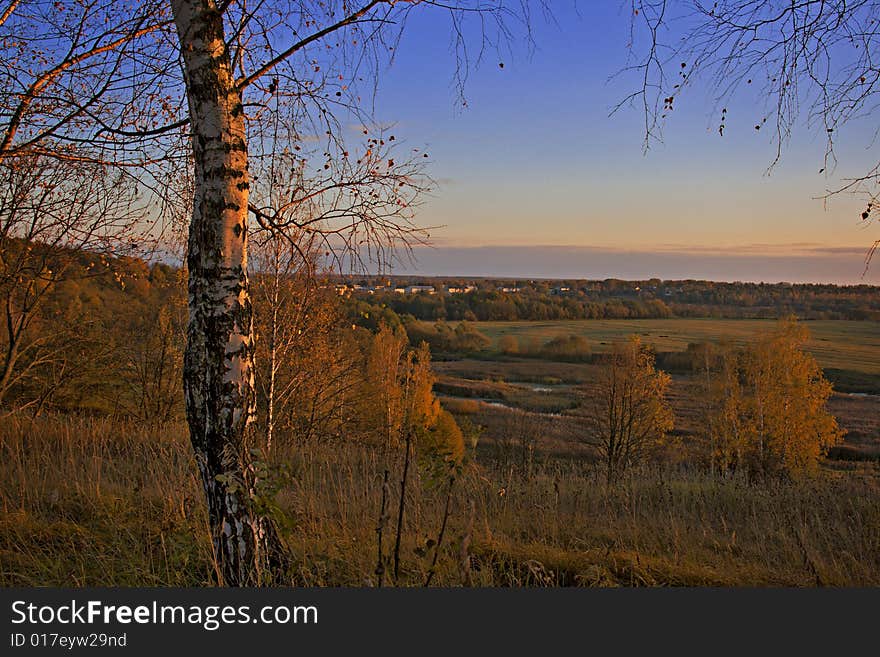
pixel 383 396
pixel 306 361
pixel 400 400
pixel 769 406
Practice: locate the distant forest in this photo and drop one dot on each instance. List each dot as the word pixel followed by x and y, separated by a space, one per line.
pixel 541 300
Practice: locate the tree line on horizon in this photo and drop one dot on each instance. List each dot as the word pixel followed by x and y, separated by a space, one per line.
pixel 626 300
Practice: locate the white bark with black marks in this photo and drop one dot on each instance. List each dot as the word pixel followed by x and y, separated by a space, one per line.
pixel 218 364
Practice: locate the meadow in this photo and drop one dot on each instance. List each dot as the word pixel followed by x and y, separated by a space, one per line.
pixel 839 344
pixel 95 502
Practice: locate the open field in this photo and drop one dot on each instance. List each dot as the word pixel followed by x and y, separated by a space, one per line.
pixel 843 345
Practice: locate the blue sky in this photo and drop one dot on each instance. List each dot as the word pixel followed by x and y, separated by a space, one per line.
pixel 534 160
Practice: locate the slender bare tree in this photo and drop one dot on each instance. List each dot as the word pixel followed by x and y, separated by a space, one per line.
pixel 626 409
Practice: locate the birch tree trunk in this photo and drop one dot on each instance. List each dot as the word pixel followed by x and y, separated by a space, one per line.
pixel 218 363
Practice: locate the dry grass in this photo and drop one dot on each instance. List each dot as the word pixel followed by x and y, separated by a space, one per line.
pixel 87 502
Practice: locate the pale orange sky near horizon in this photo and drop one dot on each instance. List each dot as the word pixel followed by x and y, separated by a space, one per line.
pixel 706 201
pixel 770 219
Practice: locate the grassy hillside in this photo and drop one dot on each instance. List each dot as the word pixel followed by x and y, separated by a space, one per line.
pixel 103 503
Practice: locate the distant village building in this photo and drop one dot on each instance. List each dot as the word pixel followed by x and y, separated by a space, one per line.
pixel 511 290
pixel 560 290
pixel 461 290
pixel 416 289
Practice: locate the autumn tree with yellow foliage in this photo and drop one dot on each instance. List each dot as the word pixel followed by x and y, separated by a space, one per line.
pixel 399 402
pixel 768 413
pixel 401 407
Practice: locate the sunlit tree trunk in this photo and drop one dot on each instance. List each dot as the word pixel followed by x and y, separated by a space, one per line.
pixel 218 364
